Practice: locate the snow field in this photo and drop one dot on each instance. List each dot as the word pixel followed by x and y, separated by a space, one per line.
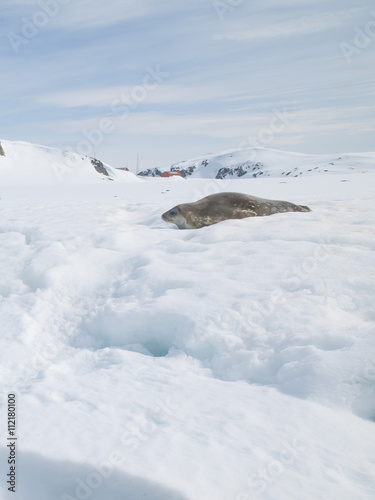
pixel 232 362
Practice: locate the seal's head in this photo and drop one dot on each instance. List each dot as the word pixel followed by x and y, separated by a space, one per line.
pixel 174 216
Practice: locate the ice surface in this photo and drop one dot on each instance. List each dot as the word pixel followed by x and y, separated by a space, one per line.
pixel 233 362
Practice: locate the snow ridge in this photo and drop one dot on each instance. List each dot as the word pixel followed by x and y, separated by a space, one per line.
pixel 262 162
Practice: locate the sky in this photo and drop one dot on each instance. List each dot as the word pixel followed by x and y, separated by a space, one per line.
pixel 152 83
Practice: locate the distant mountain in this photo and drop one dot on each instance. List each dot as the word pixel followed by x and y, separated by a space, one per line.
pixel 27 163
pixel 262 162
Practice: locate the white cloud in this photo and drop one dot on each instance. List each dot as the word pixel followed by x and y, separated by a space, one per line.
pixel 301 26
pixel 96 13
pixel 83 13
pixel 236 126
pixel 161 94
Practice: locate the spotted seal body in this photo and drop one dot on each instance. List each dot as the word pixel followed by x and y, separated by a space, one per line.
pixel 222 206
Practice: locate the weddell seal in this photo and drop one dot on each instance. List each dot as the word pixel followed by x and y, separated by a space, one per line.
pixel 222 206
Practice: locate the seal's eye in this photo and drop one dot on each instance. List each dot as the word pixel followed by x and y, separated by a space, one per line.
pixel 173 212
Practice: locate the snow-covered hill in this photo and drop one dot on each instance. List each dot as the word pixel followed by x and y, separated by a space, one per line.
pixel 262 162
pixel 24 163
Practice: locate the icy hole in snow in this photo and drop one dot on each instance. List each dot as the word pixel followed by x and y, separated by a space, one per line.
pixel 148 332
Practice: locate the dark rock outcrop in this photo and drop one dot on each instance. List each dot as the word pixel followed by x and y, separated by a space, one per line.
pixel 150 172
pixel 240 170
pixel 185 172
pixel 99 167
